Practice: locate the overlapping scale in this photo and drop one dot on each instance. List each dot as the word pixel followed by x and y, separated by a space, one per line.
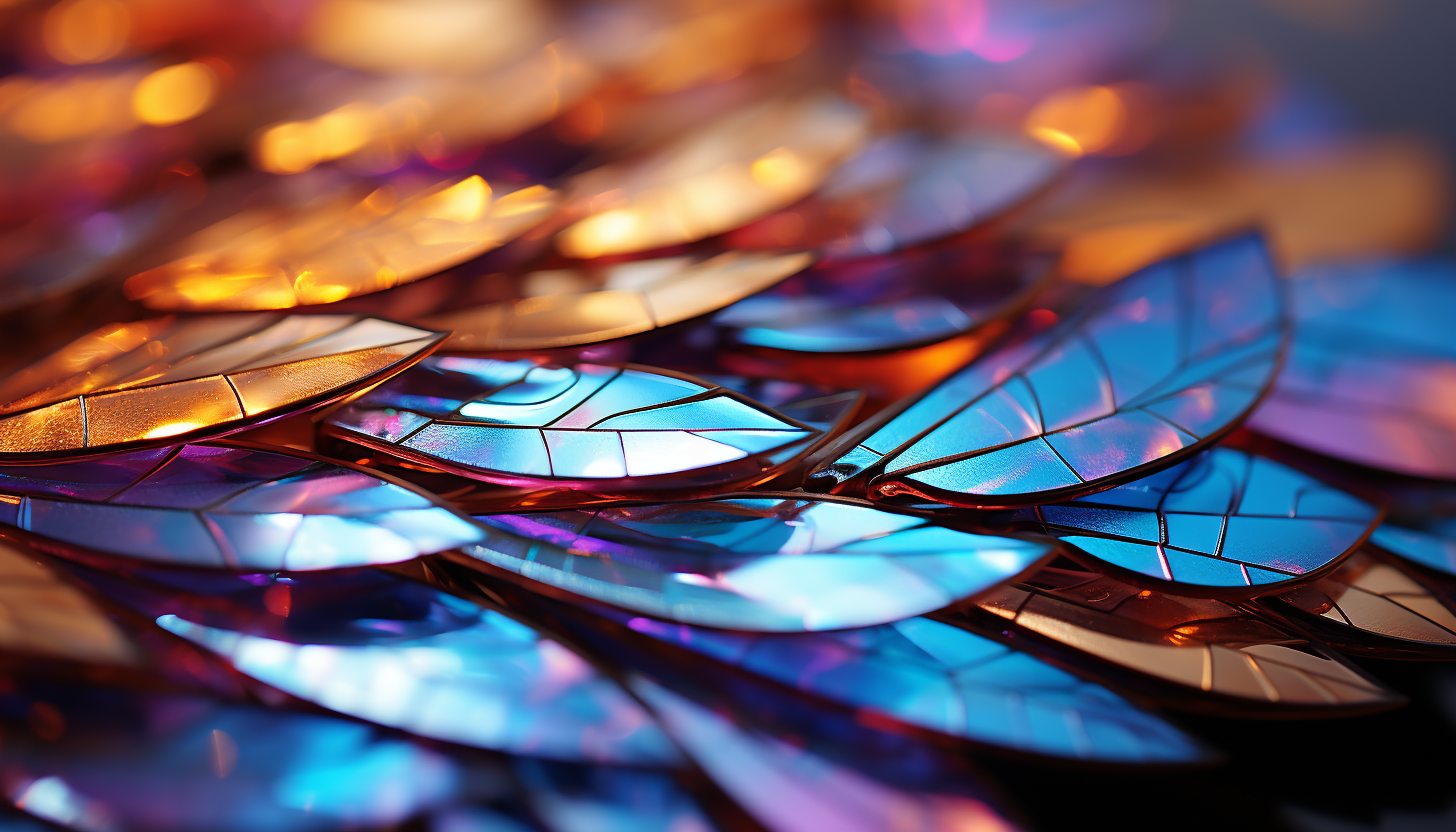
pixel 1369 378
pixel 883 303
pixel 1225 522
pixel 910 188
pixel 949 680
pixel 488 681
pixel 791 789
pixel 42 615
pixel 603 429
pixel 117 761
pixel 340 247
pixel 1432 551
pixel 1150 371
pixel 723 174
pixel 771 563
pixel 1369 606
pixel 565 307
pixel 171 379
pixel 1200 645
pixel 225 506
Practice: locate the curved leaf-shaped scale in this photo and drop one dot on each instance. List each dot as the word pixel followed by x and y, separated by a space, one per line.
pixel 569 307
pixel 1370 606
pixel 42 615
pixel 603 429
pixel 491 682
pixel 884 303
pixel 1203 646
pixel 228 506
pixel 792 789
pixel 339 247
pixel 1152 370
pixel 171 379
pixel 577 798
pixel 1432 551
pixel 771 563
pixel 908 189
pixel 1369 375
pixel 1226 522
pixel 722 175
pixel 945 679
pixel 145 762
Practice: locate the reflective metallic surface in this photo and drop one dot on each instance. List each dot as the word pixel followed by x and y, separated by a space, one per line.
pixel 1154 369
pixel 228 507
pixel 1201 644
pixel 594 427
pixel 1369 379
pixel 169 379
pixel 768 564
pixel 1223 521
pixel 42 615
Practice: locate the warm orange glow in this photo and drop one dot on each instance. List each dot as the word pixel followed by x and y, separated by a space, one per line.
pixel 70 108
pixel 1088 119
pixel 1104 255
pixel 86 31
pixel 394 36
pixel 175 94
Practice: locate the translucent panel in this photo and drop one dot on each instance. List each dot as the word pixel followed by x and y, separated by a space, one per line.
pixel 1105 413
pixel 1428 550
pixel 1223 522
pixel 41 615
pixel 374 243
pixel 596 303
pixel 586 426
pixel 158 381
pixel 1370 606
pixel 722 174
pixel 887 302
pixel 1203 646
pixel 574 798
pixel 770 564
pixel 146 762
pixel 491 683
pixel 790 789
pixel 949 680
pixel 1369 378
pixel 229 507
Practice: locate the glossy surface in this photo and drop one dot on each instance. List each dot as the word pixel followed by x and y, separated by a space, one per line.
pixel 169 379
pixel 1223 521
pixel 767 564
pixel 131 762
pixel 41 615
pixel 1372 607
pixel 1198 644
pixel 1429 550
pixel 339 247
pixel 1152 370
pixel 791 789
pixel 574 798
pixel 566 307
pixel 883 303
pixel 722 174
pixel 228 507
pixel 1370 376
pixel 489 682
pixel 591 426
pixel 945 679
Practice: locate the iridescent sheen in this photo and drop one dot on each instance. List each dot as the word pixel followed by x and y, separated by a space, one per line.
pixel 883 303
pixel 160 381
pixel 132 762
pixel 1369 377
pixel 1369 606
pixel 1202 645
pixel 791 789
pixel 577 798
pixel 774 564
pixel 946 679
pixel 1226 521
pixel 228 507
pixel 1429 550
pixel 1151 370
pixel 491 683
pixel 586 426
